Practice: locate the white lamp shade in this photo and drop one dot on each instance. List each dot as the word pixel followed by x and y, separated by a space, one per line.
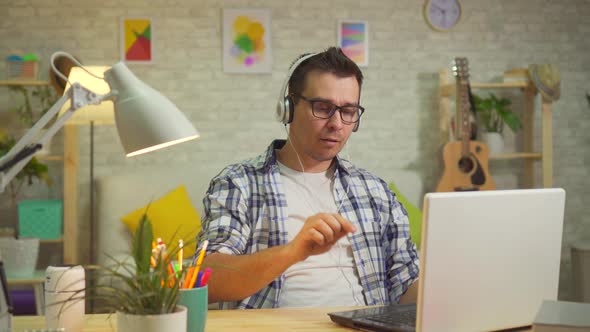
pixel 146 120
pixel 101 114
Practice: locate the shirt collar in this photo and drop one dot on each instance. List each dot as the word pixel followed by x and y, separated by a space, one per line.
pixel 270 159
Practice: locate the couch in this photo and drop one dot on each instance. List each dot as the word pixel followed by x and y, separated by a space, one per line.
pixel 121 193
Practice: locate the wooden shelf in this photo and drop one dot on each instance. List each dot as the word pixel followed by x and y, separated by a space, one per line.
pixel 516 155
pixel 53 241
pixel 38 276
pixel 502 85
pixel 50 158
pixel 447 90
pixel 23 82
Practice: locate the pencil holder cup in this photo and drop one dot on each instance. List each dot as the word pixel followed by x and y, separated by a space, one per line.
pixel 195 299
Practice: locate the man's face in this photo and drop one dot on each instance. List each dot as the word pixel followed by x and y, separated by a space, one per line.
pixel 320 140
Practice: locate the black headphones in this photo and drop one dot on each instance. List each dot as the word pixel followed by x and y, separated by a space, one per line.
pixel 285 104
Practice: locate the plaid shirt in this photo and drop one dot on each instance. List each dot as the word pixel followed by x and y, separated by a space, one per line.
pixel 246 212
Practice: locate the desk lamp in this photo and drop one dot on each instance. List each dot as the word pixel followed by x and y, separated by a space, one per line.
pixel 145 119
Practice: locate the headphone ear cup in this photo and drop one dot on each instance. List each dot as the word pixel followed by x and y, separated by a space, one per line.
pixel 289 109
pixel 280 112
pixel 356 126
pixel 285 107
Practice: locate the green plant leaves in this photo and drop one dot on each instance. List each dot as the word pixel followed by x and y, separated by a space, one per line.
pixel 33 170
pixel 494 112
pixel 34 104
pixel 142 245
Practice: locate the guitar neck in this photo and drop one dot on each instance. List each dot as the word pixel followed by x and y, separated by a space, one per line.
pixel 463 103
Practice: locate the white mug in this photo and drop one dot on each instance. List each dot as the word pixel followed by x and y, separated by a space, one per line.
pixel 62 283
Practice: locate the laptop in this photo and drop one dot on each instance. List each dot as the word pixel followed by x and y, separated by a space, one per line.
pixel 488 260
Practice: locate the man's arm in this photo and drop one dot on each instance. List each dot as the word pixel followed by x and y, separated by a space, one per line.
pixel 411 294
pixel 237 277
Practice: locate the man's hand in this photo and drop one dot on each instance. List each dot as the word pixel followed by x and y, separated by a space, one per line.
pixel 319 233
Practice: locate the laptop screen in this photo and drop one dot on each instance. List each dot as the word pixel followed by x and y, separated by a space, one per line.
pixel 489 258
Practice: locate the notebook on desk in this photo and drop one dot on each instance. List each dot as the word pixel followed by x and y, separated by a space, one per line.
pixel 488 260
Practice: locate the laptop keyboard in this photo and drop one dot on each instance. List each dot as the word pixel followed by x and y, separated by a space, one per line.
pixel 396 318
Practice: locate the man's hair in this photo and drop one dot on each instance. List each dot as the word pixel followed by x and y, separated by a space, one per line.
pixel 332 60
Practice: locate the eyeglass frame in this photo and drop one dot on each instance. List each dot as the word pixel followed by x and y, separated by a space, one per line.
pixel 311 101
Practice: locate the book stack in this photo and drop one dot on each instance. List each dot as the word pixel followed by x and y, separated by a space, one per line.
pixel 561 316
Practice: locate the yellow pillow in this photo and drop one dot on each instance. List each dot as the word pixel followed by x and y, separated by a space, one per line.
pixel 173 218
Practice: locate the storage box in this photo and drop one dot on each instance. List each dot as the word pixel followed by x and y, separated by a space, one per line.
pixel 25 67
pixel 40 218
pixel 14 68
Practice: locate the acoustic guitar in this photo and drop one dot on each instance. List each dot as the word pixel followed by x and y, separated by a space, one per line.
pixel 465 161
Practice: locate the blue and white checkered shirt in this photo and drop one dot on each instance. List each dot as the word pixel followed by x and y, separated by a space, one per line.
pixel 246 212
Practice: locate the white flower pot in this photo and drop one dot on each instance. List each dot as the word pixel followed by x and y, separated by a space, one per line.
pixel 19 255
pixel 495 142
pixel 175 321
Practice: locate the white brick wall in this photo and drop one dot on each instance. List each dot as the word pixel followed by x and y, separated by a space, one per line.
pixel 234 113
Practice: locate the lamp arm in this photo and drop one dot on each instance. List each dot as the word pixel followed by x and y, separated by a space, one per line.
pixel 24 150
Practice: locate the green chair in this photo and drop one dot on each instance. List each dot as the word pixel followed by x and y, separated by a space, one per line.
pixel 410 203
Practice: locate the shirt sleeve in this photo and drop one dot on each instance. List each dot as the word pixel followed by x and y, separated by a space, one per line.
pixel 225 223
pixel 402 257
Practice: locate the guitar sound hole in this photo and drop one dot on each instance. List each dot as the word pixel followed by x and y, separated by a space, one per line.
pixel 465 165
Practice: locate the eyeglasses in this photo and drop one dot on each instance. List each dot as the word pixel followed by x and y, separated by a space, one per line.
pixel 323 109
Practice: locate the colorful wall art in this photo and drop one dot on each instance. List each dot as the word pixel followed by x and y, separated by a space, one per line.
pixel 246 41
pixel 353 38
pixel 137 40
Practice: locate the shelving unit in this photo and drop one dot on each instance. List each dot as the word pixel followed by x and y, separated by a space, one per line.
pixel 36 280
pixel 19 82
pixel 66 229
pixel 50 158
pixel 447 90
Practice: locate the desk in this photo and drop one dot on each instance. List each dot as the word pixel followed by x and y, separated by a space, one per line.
pixel 261 320
pixel 37 279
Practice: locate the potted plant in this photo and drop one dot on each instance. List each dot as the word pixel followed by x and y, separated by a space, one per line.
pixel 20 255
pixel 494 113
pixel 142 291
pixel 33 171
pixel 34 105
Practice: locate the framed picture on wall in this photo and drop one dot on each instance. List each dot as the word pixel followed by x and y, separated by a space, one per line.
pixel 137 42
pixel 246 41
pixel 353 38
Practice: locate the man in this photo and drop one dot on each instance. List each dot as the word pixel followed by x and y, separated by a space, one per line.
pixel 298 225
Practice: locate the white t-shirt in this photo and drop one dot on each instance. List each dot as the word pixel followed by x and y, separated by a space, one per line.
pixel 329 279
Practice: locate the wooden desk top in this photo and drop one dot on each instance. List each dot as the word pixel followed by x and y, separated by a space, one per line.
pixel 260 320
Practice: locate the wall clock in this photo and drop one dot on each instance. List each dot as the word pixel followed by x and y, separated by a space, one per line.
pixel 442 15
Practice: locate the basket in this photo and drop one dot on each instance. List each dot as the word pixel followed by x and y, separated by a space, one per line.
pixel 25 67
pixel 14 69
pixel 40 218
pixel 19 256
pixel 30 70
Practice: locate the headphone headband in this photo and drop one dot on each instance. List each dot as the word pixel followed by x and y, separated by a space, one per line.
pixel 284 105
